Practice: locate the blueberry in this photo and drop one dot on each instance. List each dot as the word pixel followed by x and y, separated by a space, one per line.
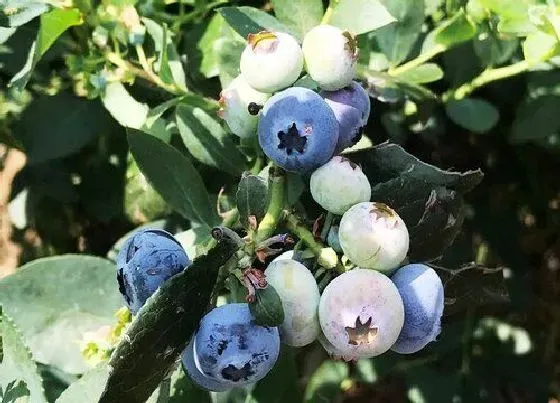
pixel 361 314
pixel 271 61
pixel 299 293
pixel 421 290
pixel 330 56
pixel 353 95
pixel 240 105
pixel 232 349
pixel 373 236
pixel 298 130
pixel 332 239
pixel 349 122
pixel 147 259
pixel 339 184
pixel 351 106
pixel 196 375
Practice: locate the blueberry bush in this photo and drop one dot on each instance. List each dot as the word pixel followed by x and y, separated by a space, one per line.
pixel 291 200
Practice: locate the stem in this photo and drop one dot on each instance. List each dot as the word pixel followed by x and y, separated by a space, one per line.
pixel 487 76
pixel 328 13
pixel 421 59
pixel 186 18
pixel 146 72
pixel 297 228
pixel 275 205
pixel 150 72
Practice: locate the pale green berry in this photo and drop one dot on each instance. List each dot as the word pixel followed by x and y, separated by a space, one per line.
pixel 240 104
pixel 339 184
pixel 373 236
pixel 330 56
pixel 299 293
pixel 271 61
pixel 361 314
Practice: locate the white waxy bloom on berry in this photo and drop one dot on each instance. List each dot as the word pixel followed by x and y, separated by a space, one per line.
pixel 361 314
pixel 339 184
pixel 271 61
pixel 330 56
pixel 240 105
pixel 373 236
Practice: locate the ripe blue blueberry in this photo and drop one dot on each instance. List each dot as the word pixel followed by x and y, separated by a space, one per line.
pixel 353 95
pixel 339 184
pixel 361 314
pixel 298 130
pixel 351 106
pixel 421 290
pixel 147 259
pixel 330 56
pixel 232 349
pixel 299 293
pixel 349 122
pixel 196 375
pixel 271 61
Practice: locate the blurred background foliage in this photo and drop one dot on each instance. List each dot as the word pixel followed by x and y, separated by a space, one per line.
pixel 459 84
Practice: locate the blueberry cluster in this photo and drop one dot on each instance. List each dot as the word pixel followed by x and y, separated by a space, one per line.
pixel 376 304
pixel 299 129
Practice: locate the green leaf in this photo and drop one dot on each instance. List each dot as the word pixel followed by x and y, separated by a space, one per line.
pixel 387 88
pixel 229 48
pixel 424 73
pixel 72 123
pixel 169 64
pixel 458 29
pixel 471 286
pixel 123 107
pixel 208 47
pixel 249 20
pixel 143 358
pixel 174 177
pixel 267 308
pixel 20 12
pixel 324 385
pixel 281 383
pixel 397 39
pixel 53 24
pixel 61 298
pixel 360 16
pixel 513 15
pixel 193 240
pixel 207 141
pixel 14 391
pixel 299 15
pixel 536 119
pixel 183 389
pixel 540 46
pixel 18 365
pixel 252 197
pixel 427 198
pixel 491 49
pixel 88 388
pixel 141 201
pixel 5 34
pixel 477 115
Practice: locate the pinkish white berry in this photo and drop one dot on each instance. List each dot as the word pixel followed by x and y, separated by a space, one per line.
pixel 361 314
pixel 373 236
